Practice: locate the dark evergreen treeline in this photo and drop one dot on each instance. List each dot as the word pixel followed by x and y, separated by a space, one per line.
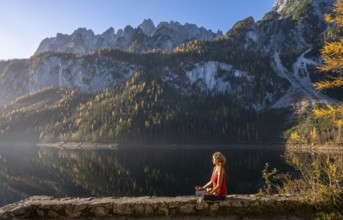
pixel 144 109
pixel 148 110
pixel 22 119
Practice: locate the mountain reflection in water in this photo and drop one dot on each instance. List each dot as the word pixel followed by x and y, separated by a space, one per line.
pixel 28 171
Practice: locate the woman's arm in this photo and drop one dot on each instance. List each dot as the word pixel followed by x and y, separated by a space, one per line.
pixel 205 186
pixel 220 181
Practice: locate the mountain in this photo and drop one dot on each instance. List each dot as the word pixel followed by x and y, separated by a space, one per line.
pixel 171 83
pixel 145 37
pixel 291 34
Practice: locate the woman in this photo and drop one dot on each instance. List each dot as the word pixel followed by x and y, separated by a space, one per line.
pixel 215 189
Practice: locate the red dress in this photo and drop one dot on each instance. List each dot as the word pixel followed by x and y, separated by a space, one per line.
pixel 222 189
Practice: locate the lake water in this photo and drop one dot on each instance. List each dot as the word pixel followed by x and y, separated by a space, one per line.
pixel 28 170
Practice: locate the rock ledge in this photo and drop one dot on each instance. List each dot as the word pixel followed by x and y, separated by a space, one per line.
pixel 247 206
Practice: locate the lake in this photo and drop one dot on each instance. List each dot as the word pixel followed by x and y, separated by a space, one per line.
pixel 141 171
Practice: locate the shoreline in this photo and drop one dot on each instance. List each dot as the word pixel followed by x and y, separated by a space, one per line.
pixel 327 148
pixel 117 146
pixel 128 146
pixel 235 146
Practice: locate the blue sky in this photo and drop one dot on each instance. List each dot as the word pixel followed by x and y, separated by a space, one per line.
pixel 25 23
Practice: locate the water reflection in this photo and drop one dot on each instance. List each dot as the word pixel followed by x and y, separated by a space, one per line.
pixel 146 171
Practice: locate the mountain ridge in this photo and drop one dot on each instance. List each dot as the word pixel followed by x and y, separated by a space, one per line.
pixel 256 70
pixel 165 36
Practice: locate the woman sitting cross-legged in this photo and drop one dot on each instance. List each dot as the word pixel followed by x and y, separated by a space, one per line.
pixel 215 189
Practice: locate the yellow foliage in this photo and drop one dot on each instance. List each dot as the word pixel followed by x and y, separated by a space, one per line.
pixel 328 110
pixel 78 121
pixel 332 63
pixel 333 48
pixel 338 17
pixel 129 122
pixel 75 136
pixel 332 54
pixel 314 134
pixel 136 107
pixel 295 136
pixel 325 84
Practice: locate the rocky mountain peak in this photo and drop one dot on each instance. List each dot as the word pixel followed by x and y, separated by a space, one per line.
pixel 109 31
pixel 287 8
pixel 84 32
pixel 147 26
pixel 165 36
pixel 279 5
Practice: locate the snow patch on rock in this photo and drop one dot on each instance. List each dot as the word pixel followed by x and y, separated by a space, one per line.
pixel 206 73
pixel 253 35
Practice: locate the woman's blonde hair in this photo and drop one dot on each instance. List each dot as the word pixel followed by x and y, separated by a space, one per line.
pixel 220 157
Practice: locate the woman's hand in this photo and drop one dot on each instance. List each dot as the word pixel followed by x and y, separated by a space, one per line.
pixel 199 188
pixel 211 193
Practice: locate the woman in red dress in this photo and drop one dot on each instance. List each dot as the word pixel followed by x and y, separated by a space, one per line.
pixel 215 189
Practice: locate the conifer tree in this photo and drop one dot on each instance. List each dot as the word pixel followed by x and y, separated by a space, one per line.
pixel 332 55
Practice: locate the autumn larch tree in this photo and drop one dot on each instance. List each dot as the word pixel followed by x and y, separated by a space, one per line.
pixel 332 55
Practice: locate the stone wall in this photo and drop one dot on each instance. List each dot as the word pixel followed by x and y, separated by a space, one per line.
pixel 186 207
